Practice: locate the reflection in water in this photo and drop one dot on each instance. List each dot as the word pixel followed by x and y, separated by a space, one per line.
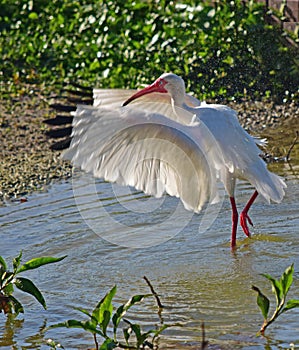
pixel 196 275
pixel 13 329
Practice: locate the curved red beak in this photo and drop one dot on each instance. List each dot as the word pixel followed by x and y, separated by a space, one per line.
pixel 157 86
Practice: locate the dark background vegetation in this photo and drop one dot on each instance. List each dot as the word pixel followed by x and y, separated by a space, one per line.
pixel 223 51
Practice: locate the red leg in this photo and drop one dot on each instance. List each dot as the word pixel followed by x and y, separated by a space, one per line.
pixel 244 215
pixel 235 216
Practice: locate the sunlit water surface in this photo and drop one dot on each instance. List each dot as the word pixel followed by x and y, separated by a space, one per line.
pixel 190 266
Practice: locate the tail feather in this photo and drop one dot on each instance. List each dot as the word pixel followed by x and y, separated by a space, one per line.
pixel 270 186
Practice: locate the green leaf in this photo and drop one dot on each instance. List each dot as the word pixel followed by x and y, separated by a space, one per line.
pixel 94 65
pixel 108 344
pixel 33 15
pixel 106 320
pixel 276 287
pixel 291 304
pixel 28 286
pixel 74 324
pixel 229 60
pixel 127 334
pixel 85 312
pixel 16 261
pixel 121 311
pixel 6 279
pixel 103 310
pixel 87 326
pixel 37 262
pixel 287 279
pixel 3 265
pixel 140 337
pixel 157 332
pixel 135 328
pixel 18 307
pixel 60 19
pixel 262 301
pixel 8 289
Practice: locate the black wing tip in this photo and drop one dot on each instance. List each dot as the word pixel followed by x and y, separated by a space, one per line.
pixel 74 84
pixel 57 133
pixel 61 145
pixel 80 95
pixel 59 120
pixel 63 108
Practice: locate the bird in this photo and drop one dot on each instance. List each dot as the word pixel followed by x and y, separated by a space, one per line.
pixel 162 140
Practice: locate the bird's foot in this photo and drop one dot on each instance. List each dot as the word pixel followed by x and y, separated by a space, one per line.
pixel 244 218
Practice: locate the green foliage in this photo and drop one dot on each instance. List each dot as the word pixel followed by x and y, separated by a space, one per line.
pixel 280 288
pixel 11 279
pixel 223 50
pixel 102 316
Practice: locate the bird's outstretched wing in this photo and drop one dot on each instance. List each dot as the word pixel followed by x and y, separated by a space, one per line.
pixel 155 102
pixel 240 152
pixel 111 98
pixel 239 148
pixel 148 151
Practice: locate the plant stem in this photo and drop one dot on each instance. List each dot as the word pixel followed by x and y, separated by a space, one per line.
pixel 292 146
pixel 274 316
pixel 204 342
pixel 153 292
pixel 95 341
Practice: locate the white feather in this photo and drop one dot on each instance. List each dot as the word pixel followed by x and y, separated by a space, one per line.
pixel 158 145
pixel 145 150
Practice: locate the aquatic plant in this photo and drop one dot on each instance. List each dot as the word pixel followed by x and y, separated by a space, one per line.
pixel 53 345
pixel 223 49
pixel 102 317
pixel 11 279
pixel 280 287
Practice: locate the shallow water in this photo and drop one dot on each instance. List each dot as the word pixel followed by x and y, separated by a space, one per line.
pixel 112 235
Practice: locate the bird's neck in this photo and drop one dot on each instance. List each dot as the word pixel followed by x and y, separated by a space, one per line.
pixel 183 112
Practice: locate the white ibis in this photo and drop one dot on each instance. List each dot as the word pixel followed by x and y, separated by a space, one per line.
pixel 161 139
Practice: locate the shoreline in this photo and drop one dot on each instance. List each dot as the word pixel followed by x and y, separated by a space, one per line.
pixel 28 165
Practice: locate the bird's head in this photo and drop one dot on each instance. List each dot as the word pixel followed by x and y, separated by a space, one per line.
pixel 167 83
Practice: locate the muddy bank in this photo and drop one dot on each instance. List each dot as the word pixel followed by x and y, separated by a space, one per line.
pixel 27 163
